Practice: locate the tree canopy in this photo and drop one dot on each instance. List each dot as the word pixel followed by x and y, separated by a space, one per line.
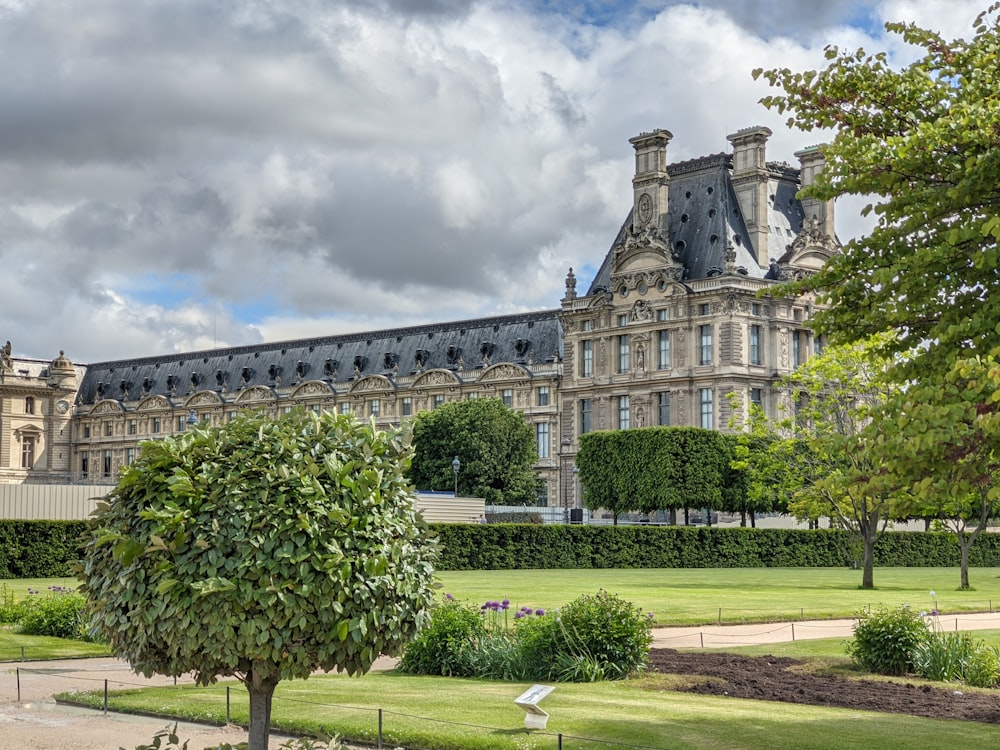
pixel 924 141
pixel 264 549
pixel 658 468
pixel 495 447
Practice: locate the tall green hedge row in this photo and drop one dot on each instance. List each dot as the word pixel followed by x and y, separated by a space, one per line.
pixel 43 549
pixel 508 546
pixel 38 549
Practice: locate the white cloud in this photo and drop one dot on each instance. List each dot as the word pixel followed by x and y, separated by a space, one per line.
pixel 179 175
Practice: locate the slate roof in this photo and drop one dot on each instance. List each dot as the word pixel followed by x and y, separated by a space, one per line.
pixel 704 217
pixel 522 339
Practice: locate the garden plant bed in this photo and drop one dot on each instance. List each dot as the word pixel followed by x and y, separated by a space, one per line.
pixel 772 678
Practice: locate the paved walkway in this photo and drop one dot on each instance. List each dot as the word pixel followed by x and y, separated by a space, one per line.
pixel 719 636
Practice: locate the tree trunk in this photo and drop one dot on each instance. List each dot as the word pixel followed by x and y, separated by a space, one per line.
pixel 868 562
pixel 753 519
pixel 965 545
pixel 743 518
pixel 261 691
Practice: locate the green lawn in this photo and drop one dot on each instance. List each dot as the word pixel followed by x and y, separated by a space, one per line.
pixel 16 647
pixel 459 714
pixel 695 596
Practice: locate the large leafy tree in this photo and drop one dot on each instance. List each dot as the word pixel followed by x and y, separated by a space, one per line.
pixel 657 468
pixel 820 452
pixel 493 443
pixel 945 450
pixel 264 549
pixel 924 142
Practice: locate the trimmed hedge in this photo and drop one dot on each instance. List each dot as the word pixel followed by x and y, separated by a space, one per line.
pixel 44 549
pixel 524 546
pixel 38 549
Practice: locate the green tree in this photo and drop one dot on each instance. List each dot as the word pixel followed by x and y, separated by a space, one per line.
pixel 656 468
pixel 821 450
pixel 265 550
pixel 944 449
pixel 922 140
pixel 493 443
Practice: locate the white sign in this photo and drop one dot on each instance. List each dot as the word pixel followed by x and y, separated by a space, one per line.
pixel 534 717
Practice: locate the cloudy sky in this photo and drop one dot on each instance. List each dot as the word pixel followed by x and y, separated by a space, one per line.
pixel 177 175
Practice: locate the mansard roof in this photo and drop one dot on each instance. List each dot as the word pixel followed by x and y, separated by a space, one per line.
pixel 704 218
pixel 340 361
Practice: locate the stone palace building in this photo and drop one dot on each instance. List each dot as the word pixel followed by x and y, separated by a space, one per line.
pixel 677 317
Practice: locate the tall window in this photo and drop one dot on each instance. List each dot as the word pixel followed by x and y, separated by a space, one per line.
pixel 796 348
pixel 663 350
pixel 132 427
pixel 28 452
pixel 622 321
pixel 156 424
pixel 407 406
pixel 663 404
pixel 86 430
pixel 29 404
pixel 108 429
pixel 84 463
pixel 586 412
pixel 623 353
pixel 180 423
pixel 543 395
pixel 662 315
pixel 106 460
pixel 439 400
pixel 345 408
pixel 587 358
pixel 757 397
pixel 755 345
pixel 624 416
pixel 705 345
pixel 587 325
pixel 129 456
pixel 542 439
pixel 507 395
pixel 374 407
pixel 707 413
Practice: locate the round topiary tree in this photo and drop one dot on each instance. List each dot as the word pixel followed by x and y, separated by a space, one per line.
pixel 265 549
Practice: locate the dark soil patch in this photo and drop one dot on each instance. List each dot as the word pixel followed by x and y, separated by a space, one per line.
pixel 769 678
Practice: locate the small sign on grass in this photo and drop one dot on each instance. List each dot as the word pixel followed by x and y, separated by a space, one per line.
pixel 534 717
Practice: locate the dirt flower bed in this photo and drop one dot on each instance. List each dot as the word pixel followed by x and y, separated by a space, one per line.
pixel 771 678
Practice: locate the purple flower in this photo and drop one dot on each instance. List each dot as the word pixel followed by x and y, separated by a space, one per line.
pixel 539 612
pixel 449 597
pixel 505 604
pixel 934 612
pixel 518 615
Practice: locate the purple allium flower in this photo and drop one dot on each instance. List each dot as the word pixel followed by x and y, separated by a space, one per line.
pixel 505 604
pixel 539 612
pixel 934 612
pixel 449 597
pixel 518 615
pixel 649 615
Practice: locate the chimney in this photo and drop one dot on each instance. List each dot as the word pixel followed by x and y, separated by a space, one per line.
pixel 750 185
pixel 811 163
pixel 651 181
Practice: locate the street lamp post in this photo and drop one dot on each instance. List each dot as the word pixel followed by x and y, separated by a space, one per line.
pixel 456 466
pixel 192 418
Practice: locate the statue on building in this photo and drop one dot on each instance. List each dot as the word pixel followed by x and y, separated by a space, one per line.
pixel 6 361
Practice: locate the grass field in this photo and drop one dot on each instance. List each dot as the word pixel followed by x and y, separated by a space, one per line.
pixel 461 714
pixel 457 714
pixel 696 596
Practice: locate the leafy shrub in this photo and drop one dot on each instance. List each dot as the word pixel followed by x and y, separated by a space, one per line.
pixel 10 610
pixel 592 638
pixel 59 614
pixel 605 630
pixel 885 640
pixel 444 647
pixel 943 656
pixel 983 668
